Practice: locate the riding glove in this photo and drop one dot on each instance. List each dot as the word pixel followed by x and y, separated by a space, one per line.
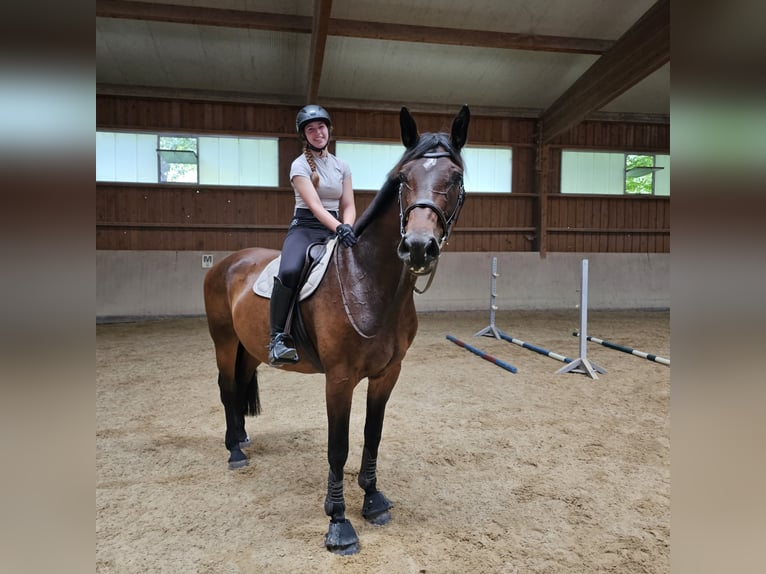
pixel 346 234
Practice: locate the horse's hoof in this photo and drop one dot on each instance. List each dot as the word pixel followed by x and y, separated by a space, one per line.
pixel 341 538
pixel 376 508
pixel 237 459
pixel 246 442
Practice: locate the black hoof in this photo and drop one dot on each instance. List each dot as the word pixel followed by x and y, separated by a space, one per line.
pixel 342 539
pixel 237 459
pixel 376 508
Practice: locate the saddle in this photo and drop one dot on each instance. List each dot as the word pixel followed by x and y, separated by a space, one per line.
pixel 314 267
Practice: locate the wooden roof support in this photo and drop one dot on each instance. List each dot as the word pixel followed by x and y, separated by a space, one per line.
pixel 201 16
pixel 322 9
pixel 644 48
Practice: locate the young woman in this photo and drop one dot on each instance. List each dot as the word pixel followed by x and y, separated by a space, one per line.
pixel 324 204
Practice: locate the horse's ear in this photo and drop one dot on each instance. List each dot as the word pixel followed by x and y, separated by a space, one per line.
pixel 409 128
pixel 460 128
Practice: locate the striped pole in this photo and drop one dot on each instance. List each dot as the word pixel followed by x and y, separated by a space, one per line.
pixel 628 350
pixel 482 354
pixel 536 349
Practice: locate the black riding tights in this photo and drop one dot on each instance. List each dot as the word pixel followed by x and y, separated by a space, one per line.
pixel 304 230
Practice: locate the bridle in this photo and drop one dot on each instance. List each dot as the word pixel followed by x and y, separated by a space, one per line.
pixel 446 221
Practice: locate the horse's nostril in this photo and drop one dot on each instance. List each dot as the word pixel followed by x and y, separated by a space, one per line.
pixel 432 249
pixel 404 248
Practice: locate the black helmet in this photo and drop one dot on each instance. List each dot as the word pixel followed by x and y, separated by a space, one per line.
pixel 311 113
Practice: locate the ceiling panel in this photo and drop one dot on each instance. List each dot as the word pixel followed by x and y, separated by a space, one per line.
pixel 453 75
pixel 240 61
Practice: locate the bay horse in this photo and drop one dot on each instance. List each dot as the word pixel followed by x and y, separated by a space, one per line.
pixel 361 319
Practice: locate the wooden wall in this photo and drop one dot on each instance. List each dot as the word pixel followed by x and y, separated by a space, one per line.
pixel 535 217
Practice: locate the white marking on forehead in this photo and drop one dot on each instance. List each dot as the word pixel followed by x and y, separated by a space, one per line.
pixel 429 163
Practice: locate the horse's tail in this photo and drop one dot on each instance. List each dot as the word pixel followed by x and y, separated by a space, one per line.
pixel 247 382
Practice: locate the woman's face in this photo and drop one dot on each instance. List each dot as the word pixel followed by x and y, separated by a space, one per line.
pixel 317 133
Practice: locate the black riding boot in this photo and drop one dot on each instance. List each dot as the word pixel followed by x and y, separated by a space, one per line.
pixel 281 351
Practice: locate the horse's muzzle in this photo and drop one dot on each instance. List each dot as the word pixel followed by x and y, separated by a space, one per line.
pixel 419 251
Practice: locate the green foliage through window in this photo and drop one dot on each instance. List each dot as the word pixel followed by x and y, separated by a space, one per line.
pixel 639 174
pixel 178 160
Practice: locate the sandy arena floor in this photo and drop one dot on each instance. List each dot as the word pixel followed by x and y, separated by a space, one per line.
pixel 489 472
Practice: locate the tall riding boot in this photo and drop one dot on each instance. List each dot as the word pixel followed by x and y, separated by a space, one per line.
pixel 281 351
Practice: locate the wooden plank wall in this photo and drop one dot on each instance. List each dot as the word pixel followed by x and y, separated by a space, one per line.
pixel 535 217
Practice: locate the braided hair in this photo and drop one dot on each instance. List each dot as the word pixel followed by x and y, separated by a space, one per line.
pixel 312 165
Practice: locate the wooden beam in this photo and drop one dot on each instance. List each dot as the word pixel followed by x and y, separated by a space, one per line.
pixel 203 16
pixel 322 9
pixel 644 48
pixel 461 37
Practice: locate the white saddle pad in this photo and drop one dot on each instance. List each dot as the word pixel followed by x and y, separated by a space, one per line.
pixel 265 282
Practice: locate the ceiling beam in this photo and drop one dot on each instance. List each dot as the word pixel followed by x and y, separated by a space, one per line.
pixel 322 9
pixel 461 37
pixel 203 16
pixel 644 48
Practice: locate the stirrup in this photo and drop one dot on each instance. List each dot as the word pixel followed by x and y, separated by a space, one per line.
pixel 280 353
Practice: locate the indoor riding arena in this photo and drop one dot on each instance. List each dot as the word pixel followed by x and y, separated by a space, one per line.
pixel 529 427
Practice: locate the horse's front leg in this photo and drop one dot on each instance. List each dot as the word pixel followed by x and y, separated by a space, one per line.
pixel 376 506
pixel 341 537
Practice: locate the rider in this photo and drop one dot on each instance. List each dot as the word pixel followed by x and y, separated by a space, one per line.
pixel 324 203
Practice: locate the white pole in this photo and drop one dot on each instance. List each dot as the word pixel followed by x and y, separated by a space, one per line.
pixel 491 330
pixel 582 364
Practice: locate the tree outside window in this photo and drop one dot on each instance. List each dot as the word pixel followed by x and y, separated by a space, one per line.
pixel 639 174
pixel 177 159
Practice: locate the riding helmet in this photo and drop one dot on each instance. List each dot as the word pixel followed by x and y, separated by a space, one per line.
pixel 311 113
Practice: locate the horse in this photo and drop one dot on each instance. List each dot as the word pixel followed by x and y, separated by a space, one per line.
pixel 361 319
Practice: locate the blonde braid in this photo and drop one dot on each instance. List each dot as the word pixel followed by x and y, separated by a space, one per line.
pixel 312 165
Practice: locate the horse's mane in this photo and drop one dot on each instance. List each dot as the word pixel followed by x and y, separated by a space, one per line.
pixel 427 142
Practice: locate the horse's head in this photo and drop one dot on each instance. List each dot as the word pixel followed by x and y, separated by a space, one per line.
pixel 430 190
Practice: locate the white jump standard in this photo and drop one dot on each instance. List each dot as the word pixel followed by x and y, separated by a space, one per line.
pixel 582 364
pixel 491 330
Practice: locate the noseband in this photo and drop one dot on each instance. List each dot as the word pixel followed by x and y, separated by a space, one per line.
pixel 446 222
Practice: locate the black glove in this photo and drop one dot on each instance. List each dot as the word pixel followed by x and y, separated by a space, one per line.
pixel 346 234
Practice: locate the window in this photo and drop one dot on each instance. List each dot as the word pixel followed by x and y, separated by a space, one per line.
pixel 369 162
pixel 640 174
pixel 208 160
pixel 611 173
pixel 177 159
pixel 126 157
pixel 238 161
pixel 486 169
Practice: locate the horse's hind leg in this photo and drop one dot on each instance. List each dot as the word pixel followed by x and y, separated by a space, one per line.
pixel 376 506
pixel 239 395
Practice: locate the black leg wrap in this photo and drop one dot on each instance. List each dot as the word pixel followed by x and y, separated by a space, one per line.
pixel 334 503
pixel 368 473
